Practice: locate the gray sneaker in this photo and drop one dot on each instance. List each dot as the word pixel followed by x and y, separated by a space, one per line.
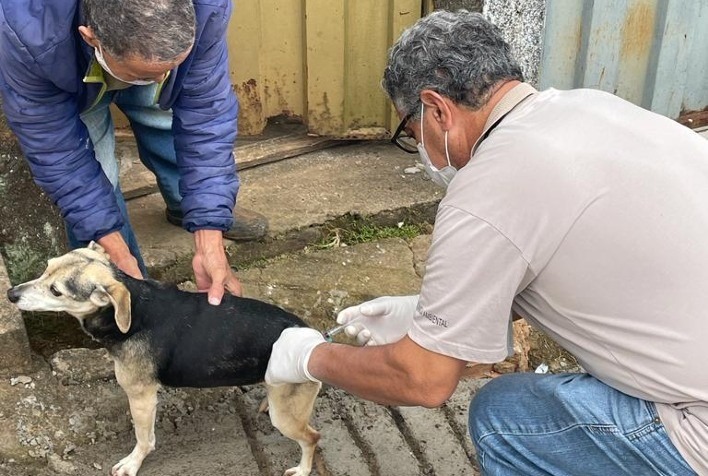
pixel 248 225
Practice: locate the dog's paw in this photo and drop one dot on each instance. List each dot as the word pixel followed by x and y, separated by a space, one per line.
pixel 296 471
pixel 128 466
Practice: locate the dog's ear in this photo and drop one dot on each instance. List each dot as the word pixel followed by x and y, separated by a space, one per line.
pixel 93 246
pixel 119 297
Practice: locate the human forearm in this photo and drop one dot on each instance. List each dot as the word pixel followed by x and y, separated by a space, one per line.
pixel 397 374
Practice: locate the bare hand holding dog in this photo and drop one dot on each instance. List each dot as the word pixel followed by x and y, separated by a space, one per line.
pixel 383 320
pixel 118 252
pixel 212 272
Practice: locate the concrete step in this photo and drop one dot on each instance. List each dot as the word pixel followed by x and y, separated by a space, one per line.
pixel 301 197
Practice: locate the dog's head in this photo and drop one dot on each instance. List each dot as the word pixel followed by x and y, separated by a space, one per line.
pixel 80 283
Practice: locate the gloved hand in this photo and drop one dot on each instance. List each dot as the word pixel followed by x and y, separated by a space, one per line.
pixel 291 355
pixel 384 320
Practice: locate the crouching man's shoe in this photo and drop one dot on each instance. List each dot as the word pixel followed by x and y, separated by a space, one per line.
pixel 248 225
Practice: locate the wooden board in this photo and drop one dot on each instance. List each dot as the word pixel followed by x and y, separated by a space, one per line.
pixel 137 181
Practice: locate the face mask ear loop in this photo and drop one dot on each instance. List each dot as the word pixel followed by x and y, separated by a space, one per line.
pixel 447 154
pixel 422 109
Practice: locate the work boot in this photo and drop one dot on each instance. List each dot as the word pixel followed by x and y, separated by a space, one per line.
pixel 248 225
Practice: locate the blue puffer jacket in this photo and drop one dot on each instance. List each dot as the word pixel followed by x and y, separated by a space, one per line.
pixel 43 61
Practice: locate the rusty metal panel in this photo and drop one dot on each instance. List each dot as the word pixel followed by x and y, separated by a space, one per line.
pixel 651 52
pixel 319 60
pixel 267 60
pixel 347 43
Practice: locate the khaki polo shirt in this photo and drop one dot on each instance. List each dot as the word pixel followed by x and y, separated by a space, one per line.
pixel 588 216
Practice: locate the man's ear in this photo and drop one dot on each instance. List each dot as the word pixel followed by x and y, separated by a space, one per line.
pixel 439 106
pixel 86 33
pixel 119 297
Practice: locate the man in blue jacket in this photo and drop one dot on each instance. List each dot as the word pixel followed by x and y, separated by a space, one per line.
pixel 164 63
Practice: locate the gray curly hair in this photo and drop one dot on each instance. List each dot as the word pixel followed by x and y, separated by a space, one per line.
pixel 155 30
pixel 460 55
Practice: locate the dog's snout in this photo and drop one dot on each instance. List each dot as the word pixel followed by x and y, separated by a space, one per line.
pixel 13 295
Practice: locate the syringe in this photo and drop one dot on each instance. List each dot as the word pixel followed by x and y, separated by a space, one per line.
pixel 336 330
pixel 333 332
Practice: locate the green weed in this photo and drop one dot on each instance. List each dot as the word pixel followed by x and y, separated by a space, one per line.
pixel 364 232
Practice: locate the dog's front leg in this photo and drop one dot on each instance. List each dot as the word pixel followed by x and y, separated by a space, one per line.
pixel 142 398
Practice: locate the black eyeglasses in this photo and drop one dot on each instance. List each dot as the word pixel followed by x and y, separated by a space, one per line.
pixel 402 140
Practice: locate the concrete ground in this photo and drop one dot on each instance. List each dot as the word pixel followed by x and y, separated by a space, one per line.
pixel 68 416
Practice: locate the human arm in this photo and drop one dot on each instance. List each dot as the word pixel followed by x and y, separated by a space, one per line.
pixel 40 87
pixel 402 373
pixel 462 315
pixel 204 115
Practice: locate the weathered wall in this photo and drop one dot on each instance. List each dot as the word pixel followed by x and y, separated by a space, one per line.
pixel 31 229
pixel 521 23
pixel 14 346
pixel 453 5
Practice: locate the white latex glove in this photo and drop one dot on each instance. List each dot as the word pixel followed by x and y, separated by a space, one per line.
pixel 384 320
pixel 291 355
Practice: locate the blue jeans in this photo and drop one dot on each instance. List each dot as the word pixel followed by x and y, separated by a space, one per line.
pixel 568 424
pixel 152 128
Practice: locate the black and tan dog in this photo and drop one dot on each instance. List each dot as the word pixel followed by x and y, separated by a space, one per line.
pixel 159 335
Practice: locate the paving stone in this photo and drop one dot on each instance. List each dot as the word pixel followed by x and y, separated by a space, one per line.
pixel 457 409
pixel 180 453
pixel 437 440
pixel 341 455
pixel 281 452
pixel 376 427
pixel 14 346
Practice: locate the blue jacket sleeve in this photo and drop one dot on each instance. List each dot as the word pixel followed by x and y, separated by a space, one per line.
pixel 42 110
pixel 204 123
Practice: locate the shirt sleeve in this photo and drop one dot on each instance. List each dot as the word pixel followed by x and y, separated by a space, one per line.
pixel 472 274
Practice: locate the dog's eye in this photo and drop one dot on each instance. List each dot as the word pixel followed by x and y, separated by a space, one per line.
pixel 54 290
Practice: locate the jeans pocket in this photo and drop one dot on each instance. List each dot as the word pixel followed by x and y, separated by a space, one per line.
pixel 653 443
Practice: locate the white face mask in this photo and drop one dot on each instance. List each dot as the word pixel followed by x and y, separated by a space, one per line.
pixel 442 176
pixel 102 61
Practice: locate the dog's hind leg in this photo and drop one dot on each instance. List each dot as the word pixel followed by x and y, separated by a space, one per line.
pixel 142 398
pixel 290 408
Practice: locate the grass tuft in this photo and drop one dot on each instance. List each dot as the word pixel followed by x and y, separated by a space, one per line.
pixel 364 232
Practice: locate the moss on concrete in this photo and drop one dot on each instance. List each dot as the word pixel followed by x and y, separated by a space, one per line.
pixel 31 229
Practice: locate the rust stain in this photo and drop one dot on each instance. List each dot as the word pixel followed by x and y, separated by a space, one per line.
pixel 250 116
pixel 638 31
pixel 322 121
pixel 579 38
